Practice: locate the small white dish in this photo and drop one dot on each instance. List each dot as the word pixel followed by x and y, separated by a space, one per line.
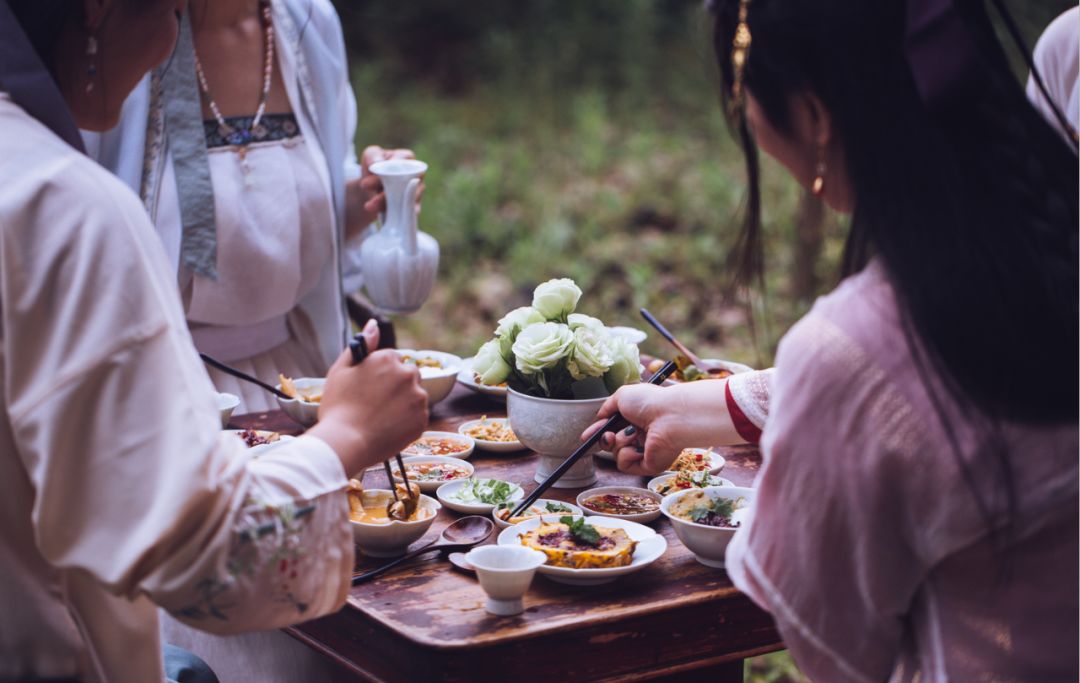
pixel 226 404
pixel 491 446
pixel 639 517
pixel 708 543
pixel 430 486
pixel 630 334
pixel 715 461
pixel 650 547
pixel 540 504
pixel 505 573
pixel 467 379
pixel 437 382
pixel 304 412
pixel 427 445
pixel 391 538
pixel 701 480
pixel 446 495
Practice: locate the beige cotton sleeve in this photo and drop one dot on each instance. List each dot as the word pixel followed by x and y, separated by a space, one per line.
pixel 116 427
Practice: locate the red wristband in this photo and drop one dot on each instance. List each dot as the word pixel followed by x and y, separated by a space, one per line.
pixel 746 429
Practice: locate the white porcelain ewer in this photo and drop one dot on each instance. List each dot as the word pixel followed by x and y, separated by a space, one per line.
pixel 399 262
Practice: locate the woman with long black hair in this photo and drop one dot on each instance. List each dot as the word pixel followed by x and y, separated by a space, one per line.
pixel 916 512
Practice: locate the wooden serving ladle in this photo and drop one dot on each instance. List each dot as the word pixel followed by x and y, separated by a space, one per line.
pixel 461 535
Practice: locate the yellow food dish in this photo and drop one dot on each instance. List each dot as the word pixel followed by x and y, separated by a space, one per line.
pixel 613 548
pixel 379 514
pixel 492 430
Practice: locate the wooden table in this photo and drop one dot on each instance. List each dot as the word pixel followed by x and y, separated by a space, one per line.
pixel 676 619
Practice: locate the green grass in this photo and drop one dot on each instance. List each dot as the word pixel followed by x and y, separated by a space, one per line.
pixel 638 205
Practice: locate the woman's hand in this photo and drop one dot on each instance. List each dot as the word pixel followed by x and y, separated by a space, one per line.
pixel 372 410
pixel 665 420
pixel 364 197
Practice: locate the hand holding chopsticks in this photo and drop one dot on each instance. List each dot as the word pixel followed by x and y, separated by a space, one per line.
pixel 358 347
pixel 614 424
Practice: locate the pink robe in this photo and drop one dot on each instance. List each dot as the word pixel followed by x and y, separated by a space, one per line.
pixel 866 543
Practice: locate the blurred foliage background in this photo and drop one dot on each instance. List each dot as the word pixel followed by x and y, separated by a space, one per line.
pixel 583 138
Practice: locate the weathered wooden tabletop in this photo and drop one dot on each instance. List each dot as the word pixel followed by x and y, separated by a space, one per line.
pixel 425 621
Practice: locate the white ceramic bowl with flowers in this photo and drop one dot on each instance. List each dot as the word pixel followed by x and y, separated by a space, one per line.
pixel 560 366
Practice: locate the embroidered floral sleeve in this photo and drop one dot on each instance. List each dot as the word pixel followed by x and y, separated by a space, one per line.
pixel 285 560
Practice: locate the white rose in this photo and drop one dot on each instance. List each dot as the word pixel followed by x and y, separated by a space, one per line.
pixel 516 320
pixel 490 364
pixel 542 345
pixel 590 356
pixel 556 299
pixel 576 320
pixel 626 363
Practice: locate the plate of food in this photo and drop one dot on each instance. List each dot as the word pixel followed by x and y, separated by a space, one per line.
pixel 667 484
pixel 542 507
pixel 468 378
pixel 697 460
pixel 478 496
pixel 622 502
pixel 492 434
pixel 587 551
pixel 437 371
pixel 448 444
pixel 430 472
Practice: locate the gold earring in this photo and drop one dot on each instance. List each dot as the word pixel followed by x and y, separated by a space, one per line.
pixel 817 188
pixel 91 69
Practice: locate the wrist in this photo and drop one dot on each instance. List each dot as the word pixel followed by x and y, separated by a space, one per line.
pixel 349 441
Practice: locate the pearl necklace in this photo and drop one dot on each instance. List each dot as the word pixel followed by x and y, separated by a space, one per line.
pixel 236 136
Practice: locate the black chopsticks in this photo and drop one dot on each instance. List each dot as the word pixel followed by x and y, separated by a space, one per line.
pixel 614 424
pixel 659 327
pixel 244 376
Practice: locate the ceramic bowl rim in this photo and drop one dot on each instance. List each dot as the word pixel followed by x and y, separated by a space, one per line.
pixel 300 400
pixel 516 549
pixel 440 373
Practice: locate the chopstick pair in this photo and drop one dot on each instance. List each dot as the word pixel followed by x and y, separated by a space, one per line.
pixel 359 349
pixel 614 424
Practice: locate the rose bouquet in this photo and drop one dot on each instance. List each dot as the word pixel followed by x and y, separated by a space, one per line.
pixel 548 350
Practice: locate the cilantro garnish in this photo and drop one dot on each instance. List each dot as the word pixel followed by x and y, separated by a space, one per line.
pixel 557 507
pixel 585 534
pixel 722 507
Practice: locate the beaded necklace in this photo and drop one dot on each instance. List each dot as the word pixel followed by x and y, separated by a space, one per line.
pixel 235 136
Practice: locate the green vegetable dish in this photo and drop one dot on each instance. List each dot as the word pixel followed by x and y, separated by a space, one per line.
pixel 485 491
